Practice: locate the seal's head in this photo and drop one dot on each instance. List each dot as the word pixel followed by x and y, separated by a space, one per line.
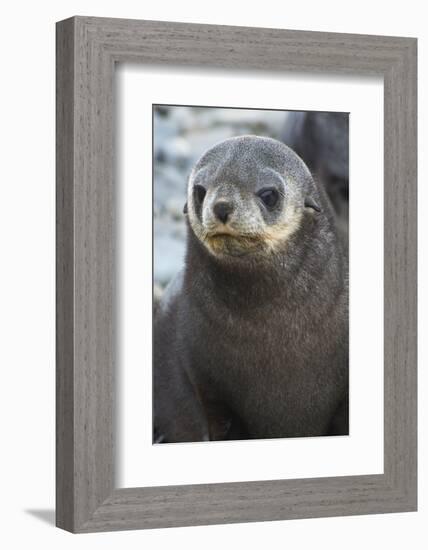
pixel 248 195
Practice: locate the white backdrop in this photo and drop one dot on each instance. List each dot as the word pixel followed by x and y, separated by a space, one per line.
pixel 27 274
pixel 362 451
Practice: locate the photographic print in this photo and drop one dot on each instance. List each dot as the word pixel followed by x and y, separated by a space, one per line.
pixel 202 329
pixel 250 274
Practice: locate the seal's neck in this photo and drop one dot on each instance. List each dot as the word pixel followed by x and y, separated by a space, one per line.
pixel 254 280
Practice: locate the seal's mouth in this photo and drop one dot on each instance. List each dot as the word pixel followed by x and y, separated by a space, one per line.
pixel 232 243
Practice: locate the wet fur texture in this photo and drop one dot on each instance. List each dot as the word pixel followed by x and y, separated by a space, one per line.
pixel 251 340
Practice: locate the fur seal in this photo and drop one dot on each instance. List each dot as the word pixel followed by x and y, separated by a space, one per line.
pixel 251 338
pixel 322 141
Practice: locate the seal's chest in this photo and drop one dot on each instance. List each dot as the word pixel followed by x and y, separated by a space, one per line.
pixel 245 343
pixel 260 330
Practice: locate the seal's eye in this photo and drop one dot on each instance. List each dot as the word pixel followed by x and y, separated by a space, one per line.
pixel 200 193
pixel 269 197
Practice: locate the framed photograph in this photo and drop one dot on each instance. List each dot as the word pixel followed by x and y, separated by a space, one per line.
pixel 236 274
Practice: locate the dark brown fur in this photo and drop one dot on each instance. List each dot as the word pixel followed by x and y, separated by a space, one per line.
pixel 256 349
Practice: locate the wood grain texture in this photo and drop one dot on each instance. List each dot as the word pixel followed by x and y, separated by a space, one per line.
pixel 64 277
pixel 87 50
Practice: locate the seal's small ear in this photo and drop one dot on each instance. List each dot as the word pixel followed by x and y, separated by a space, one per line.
pixel 310 203
pixel 185 208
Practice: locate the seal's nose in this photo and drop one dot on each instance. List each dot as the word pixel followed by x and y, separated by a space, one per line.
pixel 222 210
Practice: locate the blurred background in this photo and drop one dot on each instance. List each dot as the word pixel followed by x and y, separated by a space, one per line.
pixel 181 134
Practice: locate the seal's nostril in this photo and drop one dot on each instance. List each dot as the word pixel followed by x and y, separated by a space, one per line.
pixel 222 210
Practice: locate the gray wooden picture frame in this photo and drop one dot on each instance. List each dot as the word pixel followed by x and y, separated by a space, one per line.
pixel 87 50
